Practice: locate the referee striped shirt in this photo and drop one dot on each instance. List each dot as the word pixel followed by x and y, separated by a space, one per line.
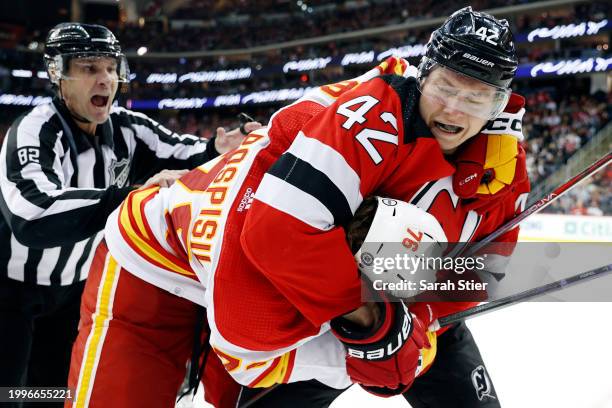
pixel 58 185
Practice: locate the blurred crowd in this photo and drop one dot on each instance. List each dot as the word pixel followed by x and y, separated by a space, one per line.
pixel 202 25
pixel 267 67
pixel 556 128
pixel 268 21
pixel 223 25
pixel 593 197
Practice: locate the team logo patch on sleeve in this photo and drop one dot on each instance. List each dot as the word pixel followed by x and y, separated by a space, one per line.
pixel 482 383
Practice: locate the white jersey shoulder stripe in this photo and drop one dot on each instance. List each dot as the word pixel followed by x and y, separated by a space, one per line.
pixel 331 163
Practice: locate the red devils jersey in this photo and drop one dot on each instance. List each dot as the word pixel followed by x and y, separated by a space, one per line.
pixel 256 235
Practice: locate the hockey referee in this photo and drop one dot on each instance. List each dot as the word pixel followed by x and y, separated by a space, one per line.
pixel 64 167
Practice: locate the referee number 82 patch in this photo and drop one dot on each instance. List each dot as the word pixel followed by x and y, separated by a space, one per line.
pixel 28 154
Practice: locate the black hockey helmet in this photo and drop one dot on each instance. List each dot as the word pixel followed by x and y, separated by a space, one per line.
pixel 474 44
pixel 75 40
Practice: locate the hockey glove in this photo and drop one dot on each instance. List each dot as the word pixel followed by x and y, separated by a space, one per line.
pixel 492 163
pixel 386 359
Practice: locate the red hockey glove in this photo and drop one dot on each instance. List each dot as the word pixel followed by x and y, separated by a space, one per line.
pixel 384 360
pixel 492 163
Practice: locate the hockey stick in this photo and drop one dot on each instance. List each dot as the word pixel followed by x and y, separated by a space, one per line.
pixel 551 287
pixel 525 295
pixel 544 201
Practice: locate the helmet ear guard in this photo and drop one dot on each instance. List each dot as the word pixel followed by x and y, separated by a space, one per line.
pixel 54 70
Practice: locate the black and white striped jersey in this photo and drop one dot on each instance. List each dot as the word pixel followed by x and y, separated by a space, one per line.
pixel 58 185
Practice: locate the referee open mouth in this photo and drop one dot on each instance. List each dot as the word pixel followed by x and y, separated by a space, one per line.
pixel 99 101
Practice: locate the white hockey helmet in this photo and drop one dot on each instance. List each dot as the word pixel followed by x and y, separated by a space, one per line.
pixel 398 229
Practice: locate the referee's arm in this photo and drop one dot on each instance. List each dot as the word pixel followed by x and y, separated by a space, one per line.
pixel 159 148
pixel 35 200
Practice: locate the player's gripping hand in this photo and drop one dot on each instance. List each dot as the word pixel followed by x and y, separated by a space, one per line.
pixel 386 358
pixel 226 141
pixel 164 178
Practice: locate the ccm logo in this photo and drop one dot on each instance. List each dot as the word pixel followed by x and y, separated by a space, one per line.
pixel 467 179
pixel 501 124
pixel 387 350
pixel 478 60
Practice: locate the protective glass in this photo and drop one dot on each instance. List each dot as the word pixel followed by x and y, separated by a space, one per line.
pixel 88 64
pixel 442 85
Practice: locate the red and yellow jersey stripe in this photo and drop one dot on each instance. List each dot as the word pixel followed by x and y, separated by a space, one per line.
pixel 277 372
pixel 268 372
pixel 137 233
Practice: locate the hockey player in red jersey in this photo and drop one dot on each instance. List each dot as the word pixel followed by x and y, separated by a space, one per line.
pixel 257 236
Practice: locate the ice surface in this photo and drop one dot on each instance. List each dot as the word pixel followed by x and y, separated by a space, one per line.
pixel 539 355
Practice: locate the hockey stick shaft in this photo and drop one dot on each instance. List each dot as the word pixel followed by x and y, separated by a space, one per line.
pixel 525 295
pixel 534 208
pixel 543 202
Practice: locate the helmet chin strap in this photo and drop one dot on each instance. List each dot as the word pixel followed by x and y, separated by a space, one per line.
pixel 74 115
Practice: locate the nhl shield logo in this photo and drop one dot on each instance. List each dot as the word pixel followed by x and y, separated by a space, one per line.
pixel 482 383
pixel 119 172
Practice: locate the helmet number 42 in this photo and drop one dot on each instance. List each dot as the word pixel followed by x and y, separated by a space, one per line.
pixel 488 35
pixel 365 136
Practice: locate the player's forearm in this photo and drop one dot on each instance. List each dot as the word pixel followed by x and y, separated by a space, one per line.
pixel 366 315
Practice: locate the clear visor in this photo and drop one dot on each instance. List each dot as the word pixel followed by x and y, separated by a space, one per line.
pixel 75 66
pixel 462 93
